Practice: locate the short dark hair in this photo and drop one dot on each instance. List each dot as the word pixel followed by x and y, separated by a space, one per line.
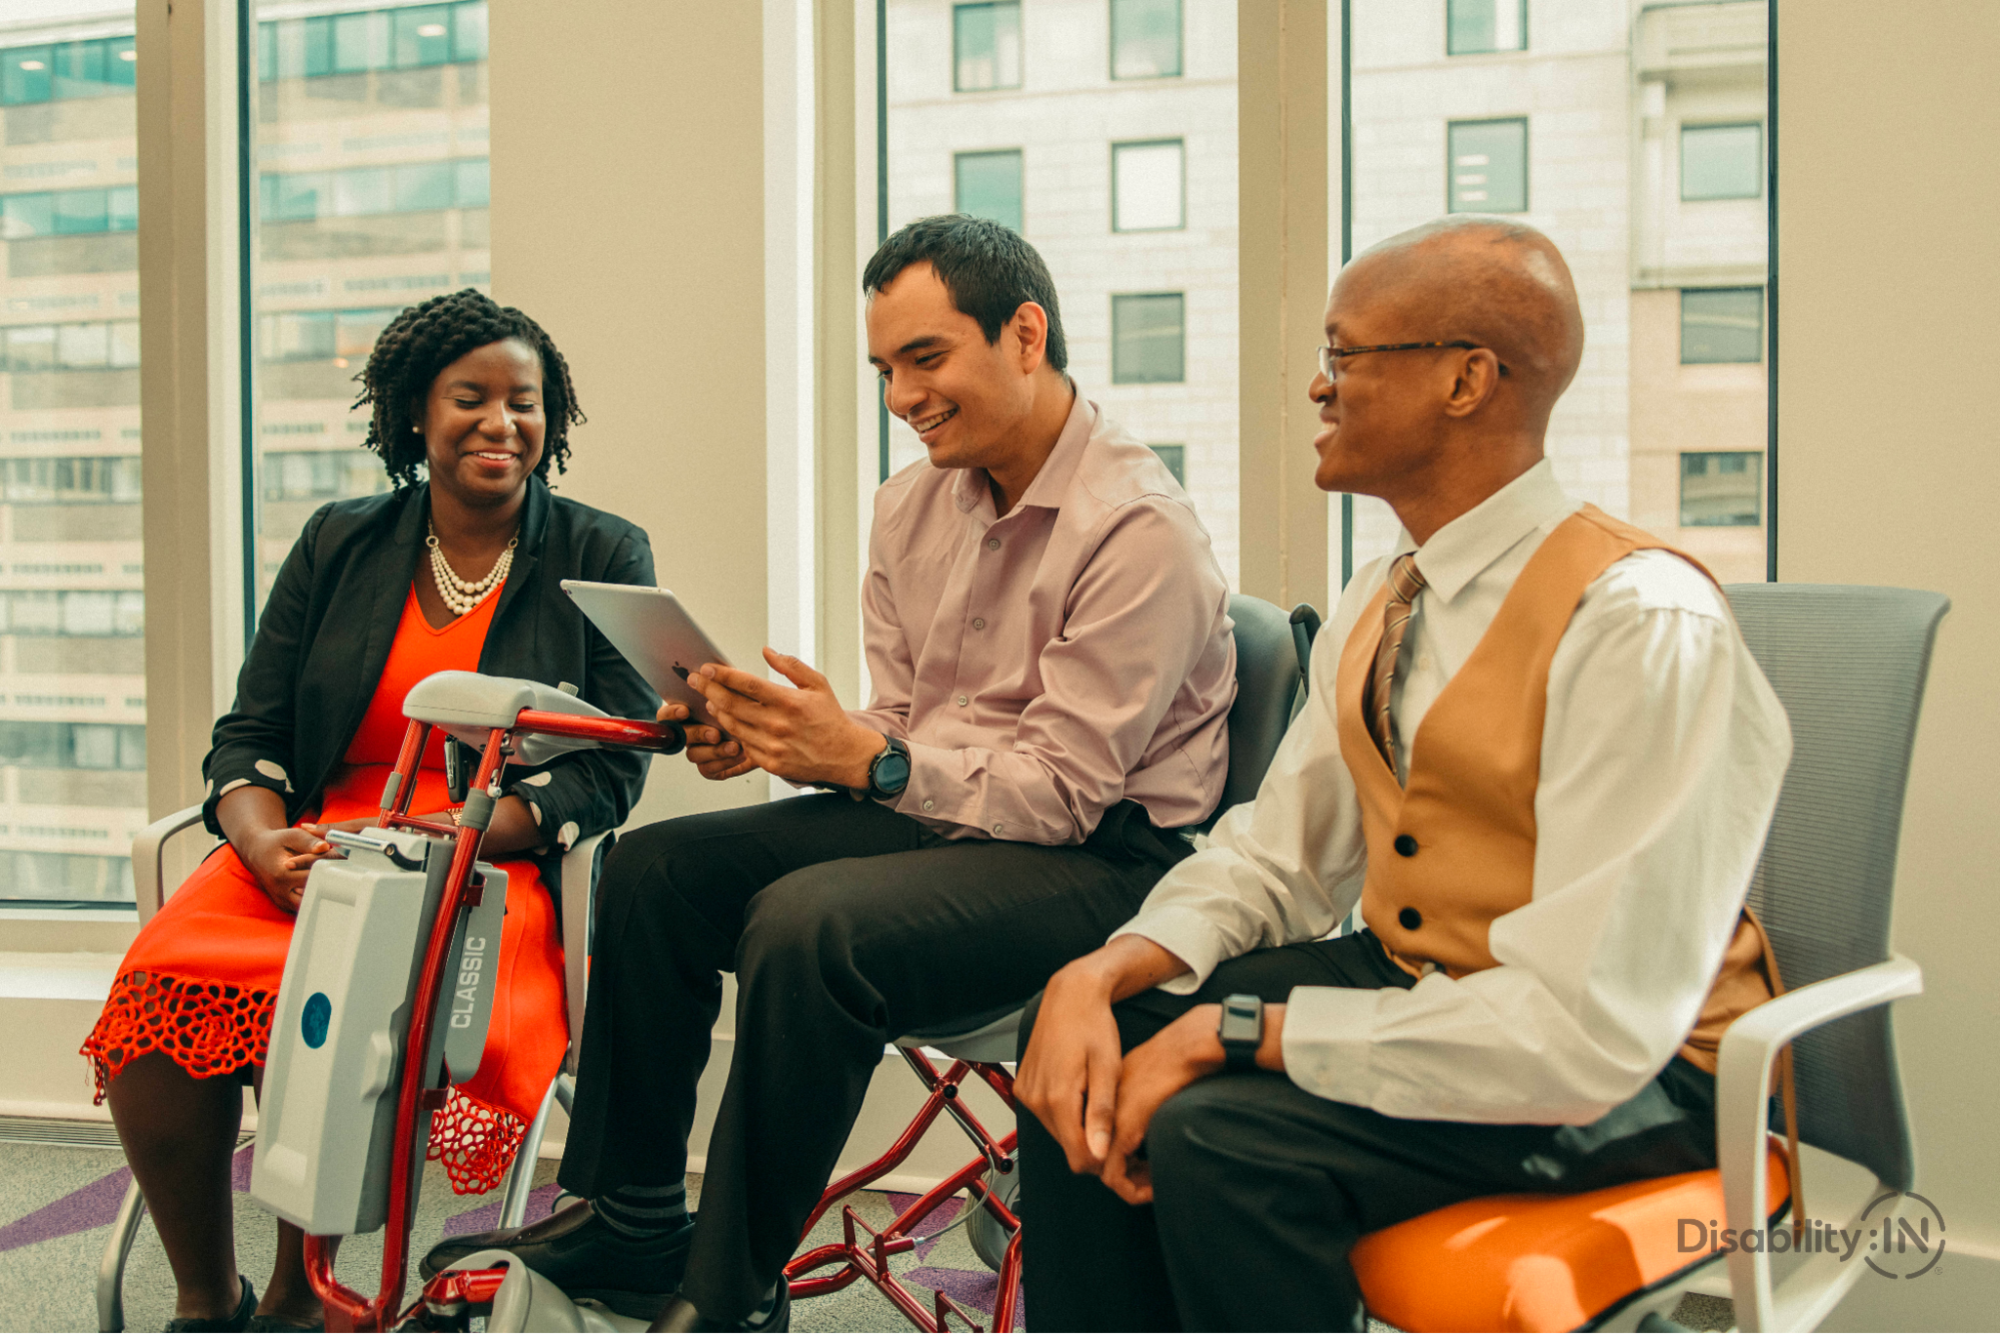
pixel 426 338
pixel 988 269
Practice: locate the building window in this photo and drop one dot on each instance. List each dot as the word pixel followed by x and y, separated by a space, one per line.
pixel 1145 39
pixel 62 70
pixel 71 480
pixel 1722 324
pixel 988 185
pixel 1148 186
pixel 69 212
pixel 308 48
pixel 1175 457
pixel 1149 338
pixel 986 46
pixel 1489 166
pixel 1722 161
pixel 1722 490
pixel 1476 26
pixel 322 474
pixel 358 192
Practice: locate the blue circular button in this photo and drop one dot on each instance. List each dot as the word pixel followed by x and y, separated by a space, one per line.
pixel 313 1023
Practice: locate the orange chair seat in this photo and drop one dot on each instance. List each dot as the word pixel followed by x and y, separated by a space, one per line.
pixel 1539 1262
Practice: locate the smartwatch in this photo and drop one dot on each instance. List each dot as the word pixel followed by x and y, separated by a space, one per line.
pixel 889 774
pixel 1241 1031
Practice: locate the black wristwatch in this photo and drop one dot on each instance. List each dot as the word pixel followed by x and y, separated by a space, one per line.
pixel 889 774
pixel 1241 1031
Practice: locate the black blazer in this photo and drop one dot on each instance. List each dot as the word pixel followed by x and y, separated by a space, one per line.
pixel 325 635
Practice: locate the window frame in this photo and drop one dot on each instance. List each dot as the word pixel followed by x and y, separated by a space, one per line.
pixel 1449 50
pixel 1179 70
pixel 1020 157
pixel 1177 141
pixel 1451 164
pixel 1680 162
pixel 1119 297
pixel 1020 72
pixel 1763 327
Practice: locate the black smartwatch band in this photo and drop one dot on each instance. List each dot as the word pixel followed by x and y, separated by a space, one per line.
pixel 895 759
pixel 1241 1032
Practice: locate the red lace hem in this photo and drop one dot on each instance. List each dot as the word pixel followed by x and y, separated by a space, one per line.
pixel 209 1028
pixel 476 1141
pixel 219 1028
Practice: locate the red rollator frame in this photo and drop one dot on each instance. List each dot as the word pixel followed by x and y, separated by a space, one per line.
pixel 345 1308
pixel 869 1257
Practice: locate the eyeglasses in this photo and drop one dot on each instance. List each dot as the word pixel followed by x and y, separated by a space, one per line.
pixel 1331 357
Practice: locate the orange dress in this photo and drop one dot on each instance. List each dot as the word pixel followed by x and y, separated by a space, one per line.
pixel 201 980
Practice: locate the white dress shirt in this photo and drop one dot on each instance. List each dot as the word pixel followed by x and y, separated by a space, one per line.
pixel 1662 754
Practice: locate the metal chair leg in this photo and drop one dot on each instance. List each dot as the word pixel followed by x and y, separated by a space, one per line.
pixel 111 1269
pixel 521 1176
pixel 566 1091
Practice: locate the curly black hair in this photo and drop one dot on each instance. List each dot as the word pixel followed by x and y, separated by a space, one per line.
pixel 426 338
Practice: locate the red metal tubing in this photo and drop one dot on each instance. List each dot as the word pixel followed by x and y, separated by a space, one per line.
pixel 1007 1301
pixel 667 738
pixel 342 1304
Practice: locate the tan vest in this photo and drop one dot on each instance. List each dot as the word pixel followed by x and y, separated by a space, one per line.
pixel 1455 847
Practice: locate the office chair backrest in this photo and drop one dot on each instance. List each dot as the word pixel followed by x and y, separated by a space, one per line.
pixel 1267 681
pixel 1849 664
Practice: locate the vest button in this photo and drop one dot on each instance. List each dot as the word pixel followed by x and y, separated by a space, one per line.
pixel 1405 845
pixel 1410 918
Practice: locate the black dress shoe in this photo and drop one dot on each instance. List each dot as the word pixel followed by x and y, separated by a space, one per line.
pixel 680 1315
pixel 238 1319
pixel 580 1253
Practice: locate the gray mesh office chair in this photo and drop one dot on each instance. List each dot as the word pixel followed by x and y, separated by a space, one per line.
pixel 1849 666
pixel 579 867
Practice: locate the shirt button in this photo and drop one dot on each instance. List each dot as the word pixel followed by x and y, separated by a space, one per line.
pixel 1405 845
pixel 929 804
pixel 961 701
pixel 1410 918
pixel 1424 663
pixel 998 828
pixel 992 544
pixel 979 623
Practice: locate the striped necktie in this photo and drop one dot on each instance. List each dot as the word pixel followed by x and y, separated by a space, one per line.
pixel 1405 582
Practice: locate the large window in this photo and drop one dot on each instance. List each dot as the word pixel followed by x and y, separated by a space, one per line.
pixel 1118 120
pixel 1489 166
pixel 371 137
pixel 1149 338
pixel 1145 39
pixel 1474 27
pixel 1149 186
pixel 1722 161
pixel 72 567
pixel 988 185
pixel 986 46
pixel 1722 325
pixel 1633 135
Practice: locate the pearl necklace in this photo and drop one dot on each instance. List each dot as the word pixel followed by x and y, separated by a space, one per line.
pixel 462 595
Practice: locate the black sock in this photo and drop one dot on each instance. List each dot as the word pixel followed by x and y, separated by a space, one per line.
pixel 644 1213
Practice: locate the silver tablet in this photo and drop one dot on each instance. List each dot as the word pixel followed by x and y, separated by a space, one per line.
pixel 656 635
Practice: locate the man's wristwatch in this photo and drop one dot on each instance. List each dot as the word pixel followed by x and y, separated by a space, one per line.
pixel 1241 1031
pixel 889 773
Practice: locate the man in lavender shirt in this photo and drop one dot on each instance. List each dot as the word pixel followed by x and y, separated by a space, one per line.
pixel 1049 646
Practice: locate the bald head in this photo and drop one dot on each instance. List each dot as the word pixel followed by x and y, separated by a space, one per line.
pixel 1489 281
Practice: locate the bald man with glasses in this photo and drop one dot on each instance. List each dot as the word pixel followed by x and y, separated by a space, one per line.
pixel 1539 757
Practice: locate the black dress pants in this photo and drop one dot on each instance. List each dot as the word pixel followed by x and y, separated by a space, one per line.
pixel 1260 1189
pixel 847 925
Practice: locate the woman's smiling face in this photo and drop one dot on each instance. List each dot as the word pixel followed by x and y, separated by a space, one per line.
pixel 483 422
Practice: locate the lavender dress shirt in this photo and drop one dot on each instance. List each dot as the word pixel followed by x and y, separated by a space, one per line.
pixel 1046 664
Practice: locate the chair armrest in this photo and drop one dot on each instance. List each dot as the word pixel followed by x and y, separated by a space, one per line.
pixel 579 903
pixel 148 859
pixel 1743 1090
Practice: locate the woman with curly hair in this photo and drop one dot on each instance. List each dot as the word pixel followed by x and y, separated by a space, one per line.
pixel 459 567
